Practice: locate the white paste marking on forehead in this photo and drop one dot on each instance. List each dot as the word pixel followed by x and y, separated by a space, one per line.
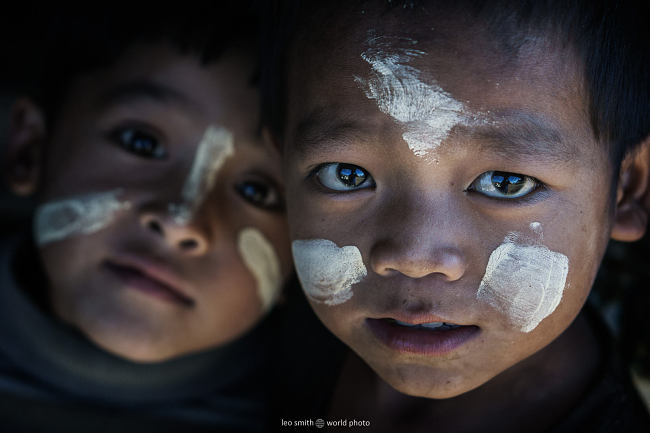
pixel 427 112
pixel 215 147
pixel 261 260
pixel 82 214
pixel 524 282
pixel 326 271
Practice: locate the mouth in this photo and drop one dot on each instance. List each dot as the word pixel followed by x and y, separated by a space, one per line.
pixel 440 326
pixel 424 338
pixel 150 279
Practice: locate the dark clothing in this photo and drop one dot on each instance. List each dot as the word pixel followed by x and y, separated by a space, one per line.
pixel 611 404
pixel 52 378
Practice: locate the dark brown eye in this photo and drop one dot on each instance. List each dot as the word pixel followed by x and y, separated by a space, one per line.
pixel 351 175
pixel 508 183
pixel 139 143
pixel 501 184
pixel 261 194
pixel 344 177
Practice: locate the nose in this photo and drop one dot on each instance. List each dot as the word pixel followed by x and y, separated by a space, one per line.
pixel 419 239
pixel 388 258
pixel 188 238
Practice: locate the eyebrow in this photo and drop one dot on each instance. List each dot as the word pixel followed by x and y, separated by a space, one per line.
pixel 325 131
pixel 512 133
pixel 516 132
pixel 136 90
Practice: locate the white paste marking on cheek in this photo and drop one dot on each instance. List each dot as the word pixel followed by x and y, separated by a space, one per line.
pixel 427 112
pixel 215 147
pixel 84 214
pixel 524 282
pixel 326 271
pixel 261 260
pixel 537 228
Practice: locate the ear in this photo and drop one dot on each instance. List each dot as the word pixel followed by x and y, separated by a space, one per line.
pixel 633 195
pixel 27 134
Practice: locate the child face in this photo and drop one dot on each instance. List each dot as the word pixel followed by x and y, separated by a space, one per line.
pixel 448 203
pixel 161 228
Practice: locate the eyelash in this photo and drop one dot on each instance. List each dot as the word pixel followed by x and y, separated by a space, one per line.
pixel 249 188
pixel 130 139
pixel 504 179
pixel 490 184
pixel 338 169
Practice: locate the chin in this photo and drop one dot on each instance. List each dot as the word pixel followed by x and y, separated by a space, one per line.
pixel 133 342
pixel 136 351
pixel 434 391
pixel 420 381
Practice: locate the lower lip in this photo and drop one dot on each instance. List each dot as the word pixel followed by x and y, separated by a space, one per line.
pixel 140 282
pixel 421 341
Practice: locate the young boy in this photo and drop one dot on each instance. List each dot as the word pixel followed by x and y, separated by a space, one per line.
pixel 159 239
pixel 454 172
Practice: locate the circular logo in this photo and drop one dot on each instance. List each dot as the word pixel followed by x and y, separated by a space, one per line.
pixel 320 423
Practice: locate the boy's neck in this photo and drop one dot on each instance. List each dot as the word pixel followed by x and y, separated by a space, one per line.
pixel 531 396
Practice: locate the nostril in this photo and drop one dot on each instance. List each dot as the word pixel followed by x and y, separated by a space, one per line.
pixel 188 244
pixel 388 272
pixel 188 238
pixel 155 226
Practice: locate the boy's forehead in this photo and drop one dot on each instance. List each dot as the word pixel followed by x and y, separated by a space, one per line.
pixel 465 61
pixel 159 74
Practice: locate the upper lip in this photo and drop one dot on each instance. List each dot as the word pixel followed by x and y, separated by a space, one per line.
pixel 158 272
pixel 418 318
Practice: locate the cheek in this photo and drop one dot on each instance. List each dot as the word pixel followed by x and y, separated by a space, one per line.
pixel 74 275
pixel 327 272
pixel 586 248
pixel 523 282
pixel 80 215
pixel 261 260
pixel 276 231
pixel 584 239
pixel 232 299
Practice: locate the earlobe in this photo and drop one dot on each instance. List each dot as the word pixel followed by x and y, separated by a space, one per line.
pixel 23 160
pixel 633 196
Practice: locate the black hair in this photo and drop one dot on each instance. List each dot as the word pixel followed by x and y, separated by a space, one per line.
pixel 79 41
pixel 611 37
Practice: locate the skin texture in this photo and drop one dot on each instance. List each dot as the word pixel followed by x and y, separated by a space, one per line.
pixel 82 155
pixel 426 236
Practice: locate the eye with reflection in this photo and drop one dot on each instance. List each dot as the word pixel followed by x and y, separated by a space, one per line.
pixel 261 193
pixel 504 185
pixel 139 143
pixel 339 176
